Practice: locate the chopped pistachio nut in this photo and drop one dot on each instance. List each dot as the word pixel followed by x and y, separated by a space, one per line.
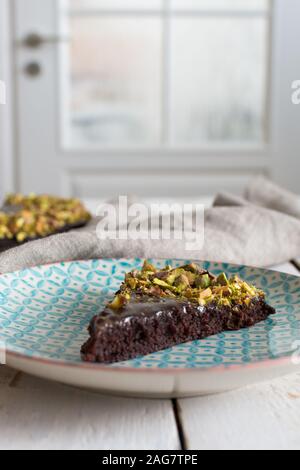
pixel 222 280
pixel 182 283
pixel 205 294
pixel 26 217
pixel 186 283
pixel 119 301
pixel 160 282
pixel 148 267
pixel 203 281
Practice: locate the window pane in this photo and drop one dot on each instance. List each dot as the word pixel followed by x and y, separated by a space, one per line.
pixel 219 68
pixel 116 80
pixel 221 4
pixel 112 4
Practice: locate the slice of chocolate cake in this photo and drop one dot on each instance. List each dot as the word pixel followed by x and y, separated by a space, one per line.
pixel 157 309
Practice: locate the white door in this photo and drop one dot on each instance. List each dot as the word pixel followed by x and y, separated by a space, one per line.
pixel 155 97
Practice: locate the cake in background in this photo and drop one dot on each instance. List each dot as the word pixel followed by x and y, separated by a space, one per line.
pixel 27 218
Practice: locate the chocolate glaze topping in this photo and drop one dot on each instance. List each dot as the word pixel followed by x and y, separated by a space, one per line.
pixel 146 325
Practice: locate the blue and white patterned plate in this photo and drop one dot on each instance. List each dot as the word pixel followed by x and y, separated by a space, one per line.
pixel 45 311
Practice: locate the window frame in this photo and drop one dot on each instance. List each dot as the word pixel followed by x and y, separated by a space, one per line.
pixel 70 172
pixel 166 146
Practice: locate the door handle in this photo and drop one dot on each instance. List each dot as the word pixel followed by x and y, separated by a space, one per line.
pixel 33 69
pixel 36 40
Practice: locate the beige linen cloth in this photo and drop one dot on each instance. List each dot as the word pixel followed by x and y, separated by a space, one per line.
pixel 261 229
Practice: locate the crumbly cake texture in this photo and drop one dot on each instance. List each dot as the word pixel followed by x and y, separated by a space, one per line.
pixel 157 309
pixel 25 218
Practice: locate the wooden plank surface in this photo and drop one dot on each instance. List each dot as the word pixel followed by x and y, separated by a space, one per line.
pixel 36 414
pixel 266 416
pixel 256 418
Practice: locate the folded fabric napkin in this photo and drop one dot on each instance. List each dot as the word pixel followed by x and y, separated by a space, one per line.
pixel 261 229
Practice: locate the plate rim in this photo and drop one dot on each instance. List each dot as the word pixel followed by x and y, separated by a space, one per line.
pixel 95 367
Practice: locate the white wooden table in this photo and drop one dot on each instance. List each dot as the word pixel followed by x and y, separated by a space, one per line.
pixel 36 414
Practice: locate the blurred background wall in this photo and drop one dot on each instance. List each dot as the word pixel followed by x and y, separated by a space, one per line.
pixel 160 98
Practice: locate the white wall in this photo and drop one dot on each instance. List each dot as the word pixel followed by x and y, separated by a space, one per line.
pixel 7 182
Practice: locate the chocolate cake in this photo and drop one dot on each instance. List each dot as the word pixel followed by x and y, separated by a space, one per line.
pixel 27 218
pixel 156 309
